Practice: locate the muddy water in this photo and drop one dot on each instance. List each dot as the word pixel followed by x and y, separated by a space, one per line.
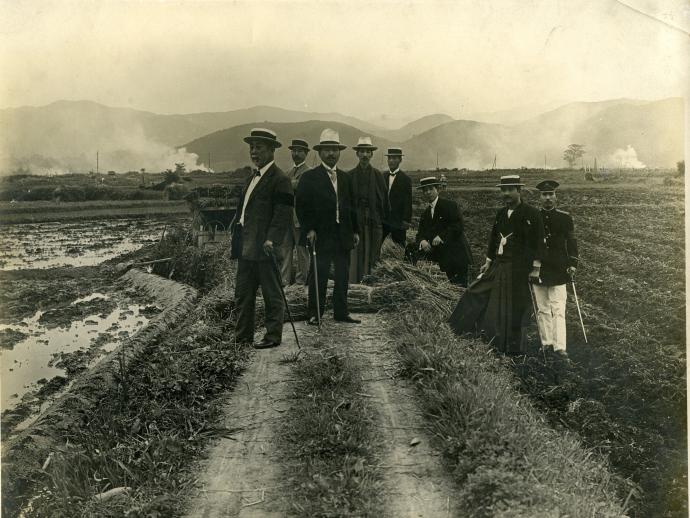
pixel 32 361
pixel 78 243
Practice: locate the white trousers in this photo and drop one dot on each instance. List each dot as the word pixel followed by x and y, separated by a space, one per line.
pixel 551 314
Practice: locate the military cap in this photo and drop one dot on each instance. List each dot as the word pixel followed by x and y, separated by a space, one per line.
pixel 547 185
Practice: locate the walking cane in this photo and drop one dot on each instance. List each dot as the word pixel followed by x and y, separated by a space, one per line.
pixel 316 284
pixel 282 291
pixel 577 303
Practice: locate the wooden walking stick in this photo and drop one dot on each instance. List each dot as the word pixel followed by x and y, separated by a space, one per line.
pixel 276 269
pixel 316 283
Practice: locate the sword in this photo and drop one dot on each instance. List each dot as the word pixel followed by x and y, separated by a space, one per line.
pixel 577 303
pixel 282 291
pixel 534 308
pixel 316 284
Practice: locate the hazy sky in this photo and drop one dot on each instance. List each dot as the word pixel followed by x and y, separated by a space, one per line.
pixel 399 58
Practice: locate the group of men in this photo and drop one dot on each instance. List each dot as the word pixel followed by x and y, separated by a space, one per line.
pixel 325 217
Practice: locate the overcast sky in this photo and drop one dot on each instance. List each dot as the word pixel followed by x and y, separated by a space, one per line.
pixel 367 59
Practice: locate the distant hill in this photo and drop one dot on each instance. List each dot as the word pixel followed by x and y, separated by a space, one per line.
pixel 65 135
pixel 228 150
pixel 628 133
pixel 415 127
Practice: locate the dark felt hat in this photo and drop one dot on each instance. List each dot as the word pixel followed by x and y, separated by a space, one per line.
pixel 299 143
pixel 263 135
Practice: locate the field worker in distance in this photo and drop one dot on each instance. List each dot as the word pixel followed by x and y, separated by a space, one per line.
pixel 371 203
pixel 399 198
pixel 328 222
pixel 557 269
pixel 258 229
pixel 497 304
pixel 299 149
pixel 441 235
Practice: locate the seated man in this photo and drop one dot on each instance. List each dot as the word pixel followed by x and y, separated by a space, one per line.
pixel 441 237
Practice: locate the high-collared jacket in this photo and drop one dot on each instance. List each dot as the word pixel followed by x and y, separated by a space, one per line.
pixel 561 247
pixel 523 232
pixel 400 198
pixel 267 215
pixel 316 207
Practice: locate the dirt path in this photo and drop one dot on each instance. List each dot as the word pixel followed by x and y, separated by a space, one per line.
pixel 415 481
pixel 242 476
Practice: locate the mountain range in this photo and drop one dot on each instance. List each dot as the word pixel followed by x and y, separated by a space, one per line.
pixel 65 136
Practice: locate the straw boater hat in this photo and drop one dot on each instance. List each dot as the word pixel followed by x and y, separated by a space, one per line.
pixel 299 144
pixel 429 181
pixel 364 143
pixel 510 180
pixel 329 137
pixel 547 185
pixel 263 135
pixel 394 151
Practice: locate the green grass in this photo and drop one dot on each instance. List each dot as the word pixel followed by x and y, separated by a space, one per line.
pixel 329 440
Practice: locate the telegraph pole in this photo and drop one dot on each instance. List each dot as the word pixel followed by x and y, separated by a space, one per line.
pixel 96 162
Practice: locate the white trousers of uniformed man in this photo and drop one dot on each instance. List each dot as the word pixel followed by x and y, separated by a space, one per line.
pixel 551 314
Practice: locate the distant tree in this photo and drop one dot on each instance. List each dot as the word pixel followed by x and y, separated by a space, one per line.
pixel 573 153
pixel 170 176
pixel 180 168
pixel 681 167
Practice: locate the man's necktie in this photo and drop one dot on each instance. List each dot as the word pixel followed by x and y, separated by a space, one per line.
pixel 257 172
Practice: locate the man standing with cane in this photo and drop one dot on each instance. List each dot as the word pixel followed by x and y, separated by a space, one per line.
pixel 258 229
pixel 557 269
pixel 328 222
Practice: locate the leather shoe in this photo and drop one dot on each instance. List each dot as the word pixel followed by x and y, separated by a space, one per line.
pixel 348 320
pixel 266 344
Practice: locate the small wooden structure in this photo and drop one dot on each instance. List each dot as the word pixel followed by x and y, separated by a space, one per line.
pixel 213 210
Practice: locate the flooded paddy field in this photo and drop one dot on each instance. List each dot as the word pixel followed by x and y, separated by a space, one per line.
pixel 76 243
pixel 63 307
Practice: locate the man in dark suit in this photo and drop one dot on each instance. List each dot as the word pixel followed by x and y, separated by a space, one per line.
pixel 299 150
pixel 259 227
pixel 497 304
pixel 399 196
pixel 328 221
pixel 557 269
pixel 441 235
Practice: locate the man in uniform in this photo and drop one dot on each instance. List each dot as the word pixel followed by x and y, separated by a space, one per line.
pixel 325 208
pixel 399 198
pixel 371 203
pixel 497 304
pixel 299 149
pixel 258 229
pixel 441 235
pixel 558 267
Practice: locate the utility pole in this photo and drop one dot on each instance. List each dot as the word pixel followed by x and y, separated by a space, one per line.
pixel 96 162
pixel 437 160
pixel 209 160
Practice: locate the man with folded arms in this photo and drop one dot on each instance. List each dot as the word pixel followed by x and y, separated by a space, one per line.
pixel 399 198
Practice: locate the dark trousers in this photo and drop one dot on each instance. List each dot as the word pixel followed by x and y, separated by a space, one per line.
pixel 456 271
pixel 329 251
pixel 251 275
pixel 398 235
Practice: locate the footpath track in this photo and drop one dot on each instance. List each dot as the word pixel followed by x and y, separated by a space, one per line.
pixel 244 477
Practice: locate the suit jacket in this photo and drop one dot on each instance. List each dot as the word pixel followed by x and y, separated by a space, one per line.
pixel 267 216
pixel 561 247
pixel 448 224
pixel 525 243
pixel 295 173
pixel 400 198
pixel 316 207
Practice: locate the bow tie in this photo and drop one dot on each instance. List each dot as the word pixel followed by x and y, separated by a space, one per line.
pixel 257 172
pixel 392 174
